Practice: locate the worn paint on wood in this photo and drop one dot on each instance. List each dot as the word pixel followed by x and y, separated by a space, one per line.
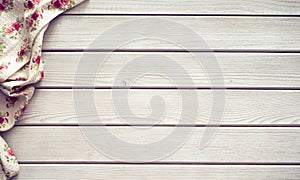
pixel 191 7
pixel 220 33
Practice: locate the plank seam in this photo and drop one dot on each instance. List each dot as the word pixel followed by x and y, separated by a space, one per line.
pixel 162 163
pixel 172 88
pixel 206 15
pixel 162 125
pixel 173 50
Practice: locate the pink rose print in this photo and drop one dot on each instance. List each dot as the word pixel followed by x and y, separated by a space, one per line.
pixel 57 4
pixel 21 53
pixel 10 102
pixel 36 1
pixel 13 30
pixel 9 30
pixel 16 26
pixel 34 20
pixel 65 2
pixel 10 157
pixel 20 79
pixel 37 60
pixel 2 7
pixel 5 2
pixel 11 99
pixel 20 111
pixel 4 66
pixel 1 120
pixel 30 23
pixel 6 5
pixel 23 50
pixel 41 74
pixel 35 16
pixel 23 109
pixel 29 5
pixel 61 4
pixel 10 153
pixel 26 44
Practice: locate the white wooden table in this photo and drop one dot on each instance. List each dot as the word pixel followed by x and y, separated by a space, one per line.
pixel 257 45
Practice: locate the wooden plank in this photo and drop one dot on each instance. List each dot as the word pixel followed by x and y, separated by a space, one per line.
pixel 230 144
pixel 257 7
pixel 246 70
pixel 220 33
pixel 247 107
pixel 108 171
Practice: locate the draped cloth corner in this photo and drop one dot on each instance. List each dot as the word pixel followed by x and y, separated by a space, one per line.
pixel 22 26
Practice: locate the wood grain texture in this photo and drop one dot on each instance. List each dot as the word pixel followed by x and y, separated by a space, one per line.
pixel 171 144
pixel 193 7
pixel 220 33
pixel 80 171
pixel 239 70
pixel 49 144
pixel 247 107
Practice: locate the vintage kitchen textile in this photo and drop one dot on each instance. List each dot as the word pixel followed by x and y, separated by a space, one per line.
pixel 22 25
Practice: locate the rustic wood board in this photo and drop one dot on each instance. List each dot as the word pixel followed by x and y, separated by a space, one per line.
pixel 115 171
pixel 239 70
pixel 191 7
pixel 242 107
pixel 230 144
pixel 219 33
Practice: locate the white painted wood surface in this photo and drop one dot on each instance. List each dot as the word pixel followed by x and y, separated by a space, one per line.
pixel 243 107
pixel 230 144
pixel 259 42
pixel 81 171
pixel 192 7
pixel 247 70
pixel 220 33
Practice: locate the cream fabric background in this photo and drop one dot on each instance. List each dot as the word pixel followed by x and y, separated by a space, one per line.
pixel 22 26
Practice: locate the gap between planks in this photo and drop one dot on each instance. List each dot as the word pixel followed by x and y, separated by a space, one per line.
pixel 95 171
pixel 188 7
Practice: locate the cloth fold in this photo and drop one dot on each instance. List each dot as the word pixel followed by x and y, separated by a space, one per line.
pixel 22 26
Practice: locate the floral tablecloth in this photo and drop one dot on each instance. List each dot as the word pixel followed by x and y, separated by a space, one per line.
pixel 22 26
